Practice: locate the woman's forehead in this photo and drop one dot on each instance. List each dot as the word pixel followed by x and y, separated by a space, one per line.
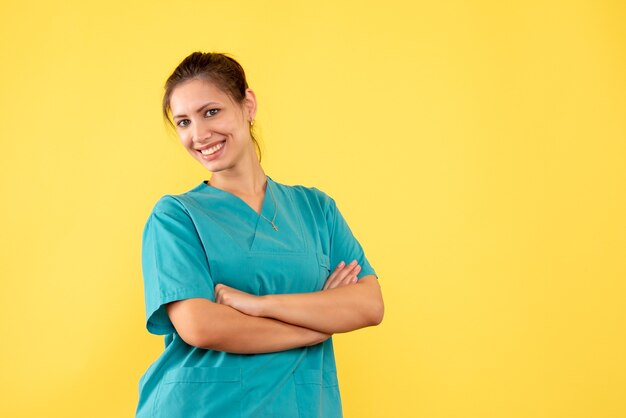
pixel 194 93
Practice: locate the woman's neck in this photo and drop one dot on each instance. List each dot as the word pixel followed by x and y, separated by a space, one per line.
pixel 242 183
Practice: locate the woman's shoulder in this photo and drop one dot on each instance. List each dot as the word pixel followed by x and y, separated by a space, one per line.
pixel 309 192
pixel 180 202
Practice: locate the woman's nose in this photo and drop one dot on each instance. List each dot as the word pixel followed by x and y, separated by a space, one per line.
pixel 202 131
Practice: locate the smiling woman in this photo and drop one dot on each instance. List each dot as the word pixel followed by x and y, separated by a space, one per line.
pixel 243 265
pixel 218 69
pixel 207 129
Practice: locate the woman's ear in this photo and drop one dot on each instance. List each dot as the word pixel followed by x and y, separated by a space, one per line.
pixel 250 104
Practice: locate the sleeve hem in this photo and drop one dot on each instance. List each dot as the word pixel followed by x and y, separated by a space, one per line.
pixel 158 321
pixel 368 272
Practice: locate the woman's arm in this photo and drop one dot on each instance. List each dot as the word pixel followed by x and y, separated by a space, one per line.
pixel 206 324
pixel 338 309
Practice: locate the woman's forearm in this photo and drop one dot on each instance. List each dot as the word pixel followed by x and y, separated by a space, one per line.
pixel 208 325
pixel 330 311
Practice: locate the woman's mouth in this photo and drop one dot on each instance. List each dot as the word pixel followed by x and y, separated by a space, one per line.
pixel 213 152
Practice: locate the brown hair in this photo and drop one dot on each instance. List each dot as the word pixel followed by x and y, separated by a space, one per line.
pixel 218 68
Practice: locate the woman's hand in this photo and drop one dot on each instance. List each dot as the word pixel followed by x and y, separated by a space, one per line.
pixel 343 275
pixel 237 299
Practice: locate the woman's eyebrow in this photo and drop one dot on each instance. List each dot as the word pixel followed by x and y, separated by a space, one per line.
pixel 197 111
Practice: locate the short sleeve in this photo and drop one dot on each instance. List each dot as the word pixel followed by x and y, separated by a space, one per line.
pixel 174 263
pixel 343 244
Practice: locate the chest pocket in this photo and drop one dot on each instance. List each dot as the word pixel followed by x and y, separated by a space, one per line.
pixel 271 273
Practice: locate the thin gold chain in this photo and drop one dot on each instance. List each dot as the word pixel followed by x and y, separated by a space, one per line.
pixel 275 208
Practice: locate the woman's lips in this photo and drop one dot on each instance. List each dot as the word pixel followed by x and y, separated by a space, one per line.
pixel 215 154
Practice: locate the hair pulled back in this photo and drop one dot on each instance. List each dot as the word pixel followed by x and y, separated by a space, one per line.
pixel 218 68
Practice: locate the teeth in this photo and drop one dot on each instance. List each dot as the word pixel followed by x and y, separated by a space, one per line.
pixel 213 149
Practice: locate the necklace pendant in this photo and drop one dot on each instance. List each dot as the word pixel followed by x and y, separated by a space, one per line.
pixel 274 226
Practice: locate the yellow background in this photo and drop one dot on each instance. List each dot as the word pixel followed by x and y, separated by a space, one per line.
pixel 477 150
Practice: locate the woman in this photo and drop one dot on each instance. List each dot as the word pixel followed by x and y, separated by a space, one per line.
pixel 237 271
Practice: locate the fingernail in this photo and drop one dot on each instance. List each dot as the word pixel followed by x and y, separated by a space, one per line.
pixel 341 264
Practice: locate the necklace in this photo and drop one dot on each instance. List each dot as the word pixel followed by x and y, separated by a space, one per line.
pixel 275 208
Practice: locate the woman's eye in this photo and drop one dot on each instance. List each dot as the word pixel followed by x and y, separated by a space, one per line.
pixel 211 112
pixel 183 122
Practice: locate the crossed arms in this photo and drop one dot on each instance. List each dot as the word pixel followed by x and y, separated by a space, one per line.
pixel 239 322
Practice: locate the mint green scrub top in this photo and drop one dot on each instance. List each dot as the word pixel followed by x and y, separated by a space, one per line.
pixel 195 240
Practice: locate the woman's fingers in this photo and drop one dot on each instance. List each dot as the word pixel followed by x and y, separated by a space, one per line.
pixel 218 293
pixel 342 275
pixel 333 276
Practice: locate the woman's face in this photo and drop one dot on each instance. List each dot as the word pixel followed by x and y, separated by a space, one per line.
pixel 211 126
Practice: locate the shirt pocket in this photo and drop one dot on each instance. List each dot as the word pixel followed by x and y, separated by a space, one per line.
pixel 199 392
pixel 324 264
pixel 317 394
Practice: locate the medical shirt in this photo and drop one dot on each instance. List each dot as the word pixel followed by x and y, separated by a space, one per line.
pixel 195 240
